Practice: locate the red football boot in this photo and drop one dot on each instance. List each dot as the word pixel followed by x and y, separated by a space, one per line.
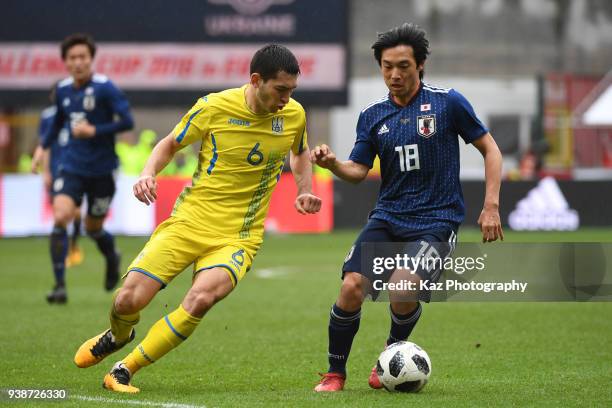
pixel 374 381
pixel 331 382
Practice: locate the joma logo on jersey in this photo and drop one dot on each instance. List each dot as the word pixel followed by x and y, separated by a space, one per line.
pixel 277 124
pixel 239 122
pixel 426 125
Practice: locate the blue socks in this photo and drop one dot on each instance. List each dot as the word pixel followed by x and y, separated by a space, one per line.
pixel 105 242
pixel 343 327
pixel 59 250
pixel 76 231
pixel 402 325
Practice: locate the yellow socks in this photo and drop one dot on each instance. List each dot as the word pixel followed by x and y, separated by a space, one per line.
pixel 167 333
pixel 121 325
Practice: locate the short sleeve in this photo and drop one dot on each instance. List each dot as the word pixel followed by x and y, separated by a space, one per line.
pixel 364 151
pixel 300 143
pixel 195 124
pixel 465 121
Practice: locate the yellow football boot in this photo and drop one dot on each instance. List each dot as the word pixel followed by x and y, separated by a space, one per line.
pixel 97 348
pixel 118 379
pixel 75 256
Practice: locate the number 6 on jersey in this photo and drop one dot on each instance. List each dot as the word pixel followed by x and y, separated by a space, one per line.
pixel 408 157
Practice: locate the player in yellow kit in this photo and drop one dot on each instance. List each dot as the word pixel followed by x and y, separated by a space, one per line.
pixel 217 223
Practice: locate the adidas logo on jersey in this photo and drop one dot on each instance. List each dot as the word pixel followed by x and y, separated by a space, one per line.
pixel 544 208
pixel 384 129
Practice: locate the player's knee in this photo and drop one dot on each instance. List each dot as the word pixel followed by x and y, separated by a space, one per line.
pixel 200 301
pixel 61 217
pixel 352 290
pixel 126 302
pixel 205 300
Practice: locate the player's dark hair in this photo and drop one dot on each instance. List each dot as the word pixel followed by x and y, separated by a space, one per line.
pixel 77 39
pixel 406 34
pixel 271 59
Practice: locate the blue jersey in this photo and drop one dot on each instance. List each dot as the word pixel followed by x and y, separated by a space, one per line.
pixel 98 101
pixel 419 156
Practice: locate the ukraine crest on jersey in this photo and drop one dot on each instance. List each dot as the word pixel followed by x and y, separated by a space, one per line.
pixel 240 162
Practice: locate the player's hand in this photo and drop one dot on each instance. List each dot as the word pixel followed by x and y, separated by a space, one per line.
pixel 145 189
pixel 323 156
pixel 37 159
pixel 307 204
pixel 490 224
pixel 83 129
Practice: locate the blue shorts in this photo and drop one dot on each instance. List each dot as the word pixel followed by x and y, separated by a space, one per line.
pixel 99 191
pixel 381 239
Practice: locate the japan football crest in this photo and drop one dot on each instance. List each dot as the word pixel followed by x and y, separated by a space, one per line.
pixel 426 125
pixel 277 124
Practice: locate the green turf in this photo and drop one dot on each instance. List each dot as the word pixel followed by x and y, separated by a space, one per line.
pixel 264 345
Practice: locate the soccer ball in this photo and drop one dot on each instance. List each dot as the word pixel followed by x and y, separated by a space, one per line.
pixel 403 367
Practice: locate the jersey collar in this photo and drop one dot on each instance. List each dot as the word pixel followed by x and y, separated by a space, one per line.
pixel 416 95
pixel 89 81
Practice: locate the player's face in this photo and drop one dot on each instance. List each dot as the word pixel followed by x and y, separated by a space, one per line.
pixel 78 62
pixel 273 94
pixel 400 71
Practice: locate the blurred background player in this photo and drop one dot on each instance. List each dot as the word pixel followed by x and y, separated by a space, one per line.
pixel 413 130
pixel 52 162
pixel 217 223
pixel 86 104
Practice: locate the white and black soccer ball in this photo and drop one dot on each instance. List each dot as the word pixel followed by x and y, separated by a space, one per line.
pixel 403 367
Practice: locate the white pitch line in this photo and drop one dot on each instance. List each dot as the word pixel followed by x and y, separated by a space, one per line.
pixel 133 402
pixel 274 272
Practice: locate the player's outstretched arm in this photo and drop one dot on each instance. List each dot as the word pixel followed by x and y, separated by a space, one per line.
pixel 489 220
pixel 305 202
pixel 347 170
pixel 145 188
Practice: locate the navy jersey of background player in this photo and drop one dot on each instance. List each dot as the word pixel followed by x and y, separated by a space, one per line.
pixel 98 101
pixel 419 156
pixel 57 146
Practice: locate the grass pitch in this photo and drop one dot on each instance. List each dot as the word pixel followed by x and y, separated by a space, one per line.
pixel 265 343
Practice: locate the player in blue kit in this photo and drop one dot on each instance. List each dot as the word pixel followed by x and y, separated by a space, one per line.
pixel 52 163
pixel 87 104
pixel 413 130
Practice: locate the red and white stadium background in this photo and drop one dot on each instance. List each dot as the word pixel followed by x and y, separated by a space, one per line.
pixel 25 208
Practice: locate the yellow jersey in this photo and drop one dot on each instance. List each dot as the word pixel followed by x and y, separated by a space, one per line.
pixel 240 162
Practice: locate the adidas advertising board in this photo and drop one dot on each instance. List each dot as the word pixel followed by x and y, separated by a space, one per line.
pixel 544 208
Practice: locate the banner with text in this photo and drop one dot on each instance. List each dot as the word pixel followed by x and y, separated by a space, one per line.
pixel 167 66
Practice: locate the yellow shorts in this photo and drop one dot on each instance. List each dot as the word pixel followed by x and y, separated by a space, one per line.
pixel 175 245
